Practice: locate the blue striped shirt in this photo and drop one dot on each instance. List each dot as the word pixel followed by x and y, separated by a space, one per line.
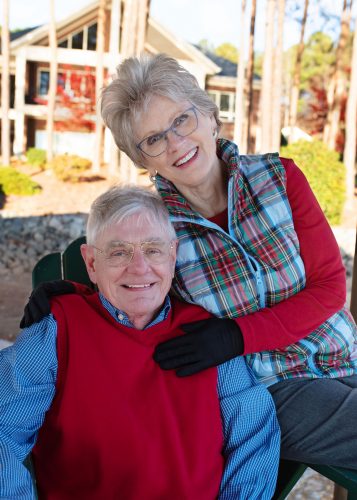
pixel 28 371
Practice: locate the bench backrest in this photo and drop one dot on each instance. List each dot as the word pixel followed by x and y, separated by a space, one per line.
pixel 67 265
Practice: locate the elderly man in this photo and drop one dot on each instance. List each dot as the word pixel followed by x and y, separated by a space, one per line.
pixel 81 391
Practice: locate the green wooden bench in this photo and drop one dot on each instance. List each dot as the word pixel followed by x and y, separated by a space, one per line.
pixel 67 265
pixel 70 265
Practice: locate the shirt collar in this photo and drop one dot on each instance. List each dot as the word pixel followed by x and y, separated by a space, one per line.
pixel 226 150
pixel 122 318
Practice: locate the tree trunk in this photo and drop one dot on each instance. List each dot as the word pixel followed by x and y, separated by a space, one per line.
pixel 143 15
pixel 128 33
pixel 295 90
pixel 349 154
pixel 330 96
pixel 127 50
pixel 99 81
pixel 5 86
pixel 337 86
pixel 135 19
pixel 114 48
pixel 277 80
pixel 250 76
pixel 267 80
pixel 52 90
pixel 240 114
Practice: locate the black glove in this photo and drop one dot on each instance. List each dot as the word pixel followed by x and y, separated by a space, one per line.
pixel 38 305
pixel 208 343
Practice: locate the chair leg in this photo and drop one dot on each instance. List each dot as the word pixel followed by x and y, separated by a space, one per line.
pixel 339 493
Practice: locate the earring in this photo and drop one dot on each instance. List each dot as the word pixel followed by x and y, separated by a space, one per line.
pixel 153 177
pixel 215 133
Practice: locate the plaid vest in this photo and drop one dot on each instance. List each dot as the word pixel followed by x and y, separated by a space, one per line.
pixel 256 265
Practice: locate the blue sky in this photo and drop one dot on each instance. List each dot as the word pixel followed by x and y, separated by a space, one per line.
pixel 193 20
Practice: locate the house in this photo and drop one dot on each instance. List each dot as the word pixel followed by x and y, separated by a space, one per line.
pixel 221 87
pixel 76 58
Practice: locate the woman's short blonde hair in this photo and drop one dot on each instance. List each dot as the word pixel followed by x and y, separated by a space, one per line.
pixel 137 80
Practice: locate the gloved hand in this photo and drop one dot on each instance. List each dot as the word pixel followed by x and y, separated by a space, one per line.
pixel 38 305
pixel 207 343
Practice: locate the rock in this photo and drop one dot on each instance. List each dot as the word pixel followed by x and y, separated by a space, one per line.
pixel 55 222
pixel 38 237
pixel 24 240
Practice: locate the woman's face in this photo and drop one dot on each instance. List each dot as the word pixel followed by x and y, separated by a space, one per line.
pixel 187 161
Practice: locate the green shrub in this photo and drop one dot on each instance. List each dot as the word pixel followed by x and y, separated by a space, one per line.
pixel 70 168
pixel 36 157
pixel 325 173
pixel 14 182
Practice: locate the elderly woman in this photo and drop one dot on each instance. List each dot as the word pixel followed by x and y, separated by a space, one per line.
pixel 254 245
pixel 81 390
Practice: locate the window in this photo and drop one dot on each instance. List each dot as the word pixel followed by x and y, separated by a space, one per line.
pixel 85 39
pixel 92 37
pixel 77 40
pixel 76 85
pixel 44 82
pixel 225 102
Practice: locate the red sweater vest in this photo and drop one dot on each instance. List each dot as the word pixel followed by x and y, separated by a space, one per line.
pixel 120 427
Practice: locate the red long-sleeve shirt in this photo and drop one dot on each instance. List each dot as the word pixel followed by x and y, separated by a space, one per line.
pixel 325 291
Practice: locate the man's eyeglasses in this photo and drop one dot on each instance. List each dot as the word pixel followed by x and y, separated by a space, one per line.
pixel 184 124
pixel 120 254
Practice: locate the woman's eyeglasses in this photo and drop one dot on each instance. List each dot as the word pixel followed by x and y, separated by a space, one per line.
pixel 183 125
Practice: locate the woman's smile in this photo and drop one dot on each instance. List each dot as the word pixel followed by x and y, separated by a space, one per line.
pixel 187 159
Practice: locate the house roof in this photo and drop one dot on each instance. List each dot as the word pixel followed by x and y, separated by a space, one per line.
pixel 34 36
pixel 159 38
pixel 177 47
pixel 228 68
pixel 19 33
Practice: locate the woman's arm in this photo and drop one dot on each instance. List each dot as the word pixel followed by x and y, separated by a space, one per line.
pixel 284 323
pixel 325 291
pixel 28 371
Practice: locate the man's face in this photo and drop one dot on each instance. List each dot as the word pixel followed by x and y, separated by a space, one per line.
pixel 138 287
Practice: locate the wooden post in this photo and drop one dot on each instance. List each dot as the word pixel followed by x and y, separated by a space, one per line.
pixel 19 140
pixel 353 306
pixel 5 87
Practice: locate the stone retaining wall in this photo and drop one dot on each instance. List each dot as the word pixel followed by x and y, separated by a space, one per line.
pixel 24 240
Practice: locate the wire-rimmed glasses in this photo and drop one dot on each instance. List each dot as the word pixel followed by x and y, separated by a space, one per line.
pixel 183 125
pixel 120 253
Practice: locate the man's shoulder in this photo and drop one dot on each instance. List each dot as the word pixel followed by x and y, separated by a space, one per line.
pixel 186 311
pixel 75 302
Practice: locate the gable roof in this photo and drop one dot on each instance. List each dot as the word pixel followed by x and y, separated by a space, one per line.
pixel 19 33
pixel 228 68
pixel 159 39
pixel 34 36
pixel 177 47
